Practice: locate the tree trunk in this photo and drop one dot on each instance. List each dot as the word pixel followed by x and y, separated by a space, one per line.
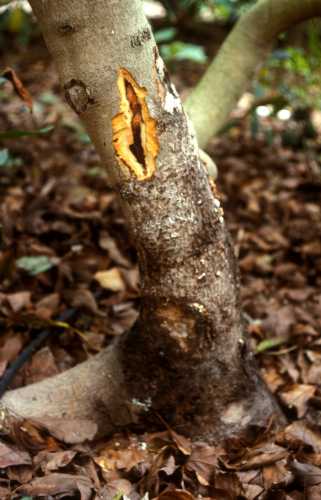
pixel 186 359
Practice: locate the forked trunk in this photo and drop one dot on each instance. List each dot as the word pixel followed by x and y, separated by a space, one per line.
pixel 185 359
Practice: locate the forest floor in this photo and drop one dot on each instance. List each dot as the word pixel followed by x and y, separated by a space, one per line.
pixel 64 247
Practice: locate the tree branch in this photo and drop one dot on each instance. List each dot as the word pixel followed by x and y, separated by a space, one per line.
pixel 246 47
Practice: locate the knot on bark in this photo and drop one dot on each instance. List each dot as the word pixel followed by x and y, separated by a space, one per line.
pixel 78 95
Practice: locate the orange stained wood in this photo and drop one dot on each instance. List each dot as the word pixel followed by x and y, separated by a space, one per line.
pixel 134 131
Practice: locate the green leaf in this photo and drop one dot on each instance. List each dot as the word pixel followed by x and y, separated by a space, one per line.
pixel 48 98
pixel 13 134
pixel 4 157
pixel 268 344
pixel 165 35
pixel 179 51
pixel 36 264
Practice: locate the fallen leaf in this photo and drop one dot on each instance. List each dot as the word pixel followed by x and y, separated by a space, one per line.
pixel 202 461
pixel 19 300
pixel 107 243
pixel 299 432
pixel 227 486
pixel 32 436
pixel 34 265
pixel 297 396
pixel 56 483
pixel 115 489
pixel 84 298
pixel 52 461
pixel 10 349
pixel 111 459
pixel 307 474
pixel 47 306
pixel 175 495
pixel 263 454
pixel 74 431
pixel 10 455
pixel 111 280
pixel 183 444
pixel 20 89
pixel 41 366
pixel 268 344
pixel 276 474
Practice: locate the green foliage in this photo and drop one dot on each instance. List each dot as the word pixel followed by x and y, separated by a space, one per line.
pixel 302 79
pixel 295 72
pixel 14 134
pixel 175 50
pixel 182 9
pixel 18 23
pixel 7 161
pixel 179 51
pixel 268 344
pixel 178 11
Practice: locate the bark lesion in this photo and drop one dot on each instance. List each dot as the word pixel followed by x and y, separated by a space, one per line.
pixel 135 140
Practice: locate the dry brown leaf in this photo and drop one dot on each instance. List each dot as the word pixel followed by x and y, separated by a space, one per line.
pixel 47 306
pixel 71 431
pixel 32 436
pixel 227 486
pixel 183 444
pixel 84 298
pixel 111 280
pixel 107 243
pixel 55 484
pixel 298 432
pixel 202 462
pixel 111 459
pixel 297 396
pixel 41 366
pixel 175 495
pixel 10 349
pixel 263 454
pixel 276 474
pixel 19 301
pixel 307 474
pixel 10 455
pixel 50 462
pixel 20 89
pixel 114 488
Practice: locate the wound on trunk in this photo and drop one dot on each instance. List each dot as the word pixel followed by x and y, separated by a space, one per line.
pixel 134 130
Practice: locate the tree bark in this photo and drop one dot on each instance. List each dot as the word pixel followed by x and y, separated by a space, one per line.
pixel 185 359
pixel 243 51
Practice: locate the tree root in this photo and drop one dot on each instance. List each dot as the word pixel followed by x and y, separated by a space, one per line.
pixel 92 390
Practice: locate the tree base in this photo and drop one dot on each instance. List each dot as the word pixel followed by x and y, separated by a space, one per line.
pixel 121 387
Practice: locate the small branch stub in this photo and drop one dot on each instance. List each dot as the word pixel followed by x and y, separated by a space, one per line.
pixel 78 96
pixel 134 131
